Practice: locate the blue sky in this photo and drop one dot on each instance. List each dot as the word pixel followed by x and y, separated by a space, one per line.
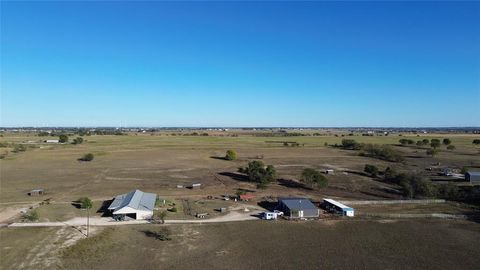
pixel 240 64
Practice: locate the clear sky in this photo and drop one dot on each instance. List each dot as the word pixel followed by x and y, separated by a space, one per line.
pixel 240 64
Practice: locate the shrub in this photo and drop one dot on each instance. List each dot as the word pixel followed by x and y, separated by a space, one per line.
pixel 231 155
pixel 78 140
pixel 19 148
pixel 447 141
pixel 371 169
pixel 87 157
pixel 434 143
pixel 451 147
pixel 30 216
pixel 173 209
pixel 476 141
pixel 431 152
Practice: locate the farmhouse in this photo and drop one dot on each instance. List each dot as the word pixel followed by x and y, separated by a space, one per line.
pixel 473 177
pixel 337 207
pixel 298 208
pixel 133 205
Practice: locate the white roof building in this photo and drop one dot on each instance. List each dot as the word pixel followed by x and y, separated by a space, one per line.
pixel 135 204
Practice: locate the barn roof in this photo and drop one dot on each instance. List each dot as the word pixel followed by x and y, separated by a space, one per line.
pixel 135 199
pixel 297 203
pixel 474 173
pixel 338 204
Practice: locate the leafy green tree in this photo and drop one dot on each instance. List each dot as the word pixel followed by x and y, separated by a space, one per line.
pixel 63 138
pixel 350 144
pixel 86 203
pixel 425 141
pixel 434 143
pixel 231 155
pixel 403 141
pixel 420 143
pixel 451 147
pixel 78 140
pixel 476 141
pixel 371 169
pixel 447 141
pixel 258 173
pixel 313 178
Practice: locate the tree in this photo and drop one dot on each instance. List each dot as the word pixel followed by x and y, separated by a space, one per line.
pixel 432 152
pixel 78 140
pixel 63 138
pixel 160 215
pixel 87 157
pixel 476 141
pixel 86 203
pixel 464 170
pixel 313 178
pixel 258 173
pixel 425 141
pixel 350 144
pixel 451 147
pixel 403 141
pixel 231 155
pixel 31 216
pixel 371 169
pixel 447 141
pixel 434 143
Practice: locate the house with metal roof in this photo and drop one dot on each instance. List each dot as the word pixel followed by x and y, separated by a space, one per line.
pixel 338 207
pixel 133 205
pixel 473 177
pixel 298 208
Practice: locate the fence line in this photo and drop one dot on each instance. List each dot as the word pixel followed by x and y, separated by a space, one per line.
pixel 433 215
pixel 394 202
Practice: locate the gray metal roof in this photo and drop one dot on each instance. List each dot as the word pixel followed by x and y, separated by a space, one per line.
pixel 297 203
pixel 135 199
pixel 474 173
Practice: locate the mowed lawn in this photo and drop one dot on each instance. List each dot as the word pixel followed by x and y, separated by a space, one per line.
pixel 419 244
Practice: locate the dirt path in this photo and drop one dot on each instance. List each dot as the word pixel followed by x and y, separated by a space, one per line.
pixel 105 221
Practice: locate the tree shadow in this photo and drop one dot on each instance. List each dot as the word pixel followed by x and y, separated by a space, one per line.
pixel 163 235
pixel 219 158
pixel 269 205
pixel 292 184
pixel 236 176
pixel 76 204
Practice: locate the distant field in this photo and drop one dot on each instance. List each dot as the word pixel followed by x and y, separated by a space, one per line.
pixel 419 244
pixel 159 163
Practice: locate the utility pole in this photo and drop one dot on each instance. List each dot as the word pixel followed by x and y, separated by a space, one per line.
pixel 88 220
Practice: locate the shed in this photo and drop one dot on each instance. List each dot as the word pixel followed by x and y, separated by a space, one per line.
pixel 338 207
pixel 52 141
pixel 246 197
pixel 135 205
pixel 196 185
pixel 298 207
pixel 36 192
pixel 473 177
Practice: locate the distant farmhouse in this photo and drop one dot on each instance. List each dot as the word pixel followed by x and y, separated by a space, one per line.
pixel 298 208
pixel 473 177
pixel 133 205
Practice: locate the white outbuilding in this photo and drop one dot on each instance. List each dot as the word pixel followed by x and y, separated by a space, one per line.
pixel 133 205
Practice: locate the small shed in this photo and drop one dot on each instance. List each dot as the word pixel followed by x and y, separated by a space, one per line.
pixel 246 197
pixel 298 208
pixel 329 171
pixel 338 207
pixel 196 185
pixel 52 141
pixel 36 192
pixel 473 177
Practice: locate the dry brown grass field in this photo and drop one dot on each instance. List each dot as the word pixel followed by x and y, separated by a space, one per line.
pixel 158 163
pixel 341 244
